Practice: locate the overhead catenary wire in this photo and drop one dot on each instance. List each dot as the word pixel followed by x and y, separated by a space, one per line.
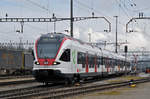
pixel 38 5
pixel 96 11
pixel 45 8
pixel 123 9
pixel 4 35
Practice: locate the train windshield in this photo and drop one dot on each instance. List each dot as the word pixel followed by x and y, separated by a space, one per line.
pixel 47 48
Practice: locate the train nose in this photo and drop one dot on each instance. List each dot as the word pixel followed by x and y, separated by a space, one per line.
pixel 46 75
pixel 40 73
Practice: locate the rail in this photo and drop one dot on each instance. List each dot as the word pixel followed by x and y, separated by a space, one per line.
pixel 61 92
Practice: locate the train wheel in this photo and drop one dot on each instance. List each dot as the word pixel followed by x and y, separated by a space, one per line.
pixel 46 83
pixel 69 81
pixel 76 77
pixel 98 77
pixel 66 82
pixel 72 82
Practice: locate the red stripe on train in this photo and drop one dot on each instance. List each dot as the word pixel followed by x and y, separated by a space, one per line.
pixel 95 61
pixel 87 67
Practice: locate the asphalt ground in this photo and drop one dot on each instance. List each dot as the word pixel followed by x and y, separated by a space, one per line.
pixel 140 91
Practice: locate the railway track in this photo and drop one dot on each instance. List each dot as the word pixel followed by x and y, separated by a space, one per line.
pixel 16 82
pixel 12 80
pixel 62 91
pixel 18 93
pixel 3 77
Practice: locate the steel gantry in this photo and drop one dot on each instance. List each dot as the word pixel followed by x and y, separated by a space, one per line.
pixel 53 19
pixel 133 19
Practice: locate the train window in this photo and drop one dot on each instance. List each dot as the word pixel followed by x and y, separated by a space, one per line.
pixel 33 55
pixel 79 58
pixel 89 60
pixel 123 63
pixel 128 64
pixel 116 62
pixel 106 61
pixel 93 61
pixel 102 61
pixel 110 62
pixel 113 62
pixel 98 61
pixel 83 65
pixel 120 63
pixel 65 56
pixel 83 60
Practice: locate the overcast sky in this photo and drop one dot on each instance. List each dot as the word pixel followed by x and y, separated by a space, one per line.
pixel 124 9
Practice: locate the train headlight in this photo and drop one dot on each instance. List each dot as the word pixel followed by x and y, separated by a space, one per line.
pixel 51 36
pixel 37 63
pixel 56 63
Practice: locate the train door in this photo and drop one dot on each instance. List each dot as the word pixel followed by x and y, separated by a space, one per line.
pixel 81 61
pixel 107 64
pixel 95 62
pixel 102 63
pixel 74 68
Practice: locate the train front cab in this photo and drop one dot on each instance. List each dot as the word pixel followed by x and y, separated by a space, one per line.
pixel 58 72
pixel 52 55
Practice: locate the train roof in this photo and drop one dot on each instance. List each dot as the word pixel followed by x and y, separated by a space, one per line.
pixel 106 53
pixel 61 35
pixel 55 34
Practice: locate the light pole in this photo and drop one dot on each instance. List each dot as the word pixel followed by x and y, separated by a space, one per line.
pixel 116 33
pixel 126 50
pixel 71 17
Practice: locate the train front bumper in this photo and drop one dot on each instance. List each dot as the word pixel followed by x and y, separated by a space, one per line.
pixel 49 75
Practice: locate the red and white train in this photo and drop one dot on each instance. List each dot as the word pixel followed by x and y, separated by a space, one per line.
pixel 60 58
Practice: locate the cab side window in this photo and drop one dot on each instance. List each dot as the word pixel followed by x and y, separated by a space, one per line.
pixel 81 59
pixel 65 56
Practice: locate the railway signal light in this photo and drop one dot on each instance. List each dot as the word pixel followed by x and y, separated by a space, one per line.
pixel 126 49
